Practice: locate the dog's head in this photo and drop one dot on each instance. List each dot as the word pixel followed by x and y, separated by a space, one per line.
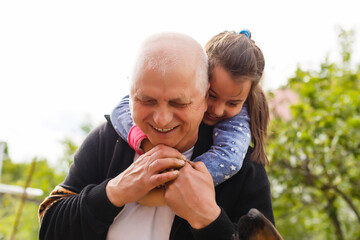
pixel 255 226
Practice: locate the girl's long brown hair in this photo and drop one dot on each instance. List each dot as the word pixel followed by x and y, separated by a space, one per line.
pixel 243 59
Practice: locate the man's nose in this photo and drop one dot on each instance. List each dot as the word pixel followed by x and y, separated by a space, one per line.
pixel 162 117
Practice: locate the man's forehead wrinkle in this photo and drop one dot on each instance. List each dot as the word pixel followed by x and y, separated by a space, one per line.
pixel 180 97
pixel 160 62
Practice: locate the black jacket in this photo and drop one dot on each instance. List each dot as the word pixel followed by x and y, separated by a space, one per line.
pixel 87 213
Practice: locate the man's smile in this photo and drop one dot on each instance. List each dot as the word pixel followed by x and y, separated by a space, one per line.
pixel 163 130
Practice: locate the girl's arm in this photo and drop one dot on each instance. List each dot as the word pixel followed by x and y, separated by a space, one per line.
pixel 121 118
pixel 154 198
pixel 125 127
pixel 231 139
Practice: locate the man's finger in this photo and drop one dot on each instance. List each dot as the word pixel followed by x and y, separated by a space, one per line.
pixel 162 164
pixel 200 166
pixel 162 178
pixel 153 150
pixel 162 151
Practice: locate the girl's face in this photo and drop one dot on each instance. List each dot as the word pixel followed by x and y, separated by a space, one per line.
pixel 226 96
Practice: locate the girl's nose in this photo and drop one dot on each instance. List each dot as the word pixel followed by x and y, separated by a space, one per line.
pixel 218 109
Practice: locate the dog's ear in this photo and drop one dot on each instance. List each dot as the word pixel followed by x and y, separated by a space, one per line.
pixel 250 225
pixel 255 226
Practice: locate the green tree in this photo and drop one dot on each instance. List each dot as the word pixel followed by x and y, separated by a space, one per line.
pixel 315 161
pixel 70 146
pixel 45 177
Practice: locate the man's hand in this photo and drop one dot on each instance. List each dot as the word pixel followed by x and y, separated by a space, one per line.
pixel 144 174
pixel 192 195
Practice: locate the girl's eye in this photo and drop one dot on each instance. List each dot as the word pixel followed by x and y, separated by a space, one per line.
pixel 232 104
pixel 212 96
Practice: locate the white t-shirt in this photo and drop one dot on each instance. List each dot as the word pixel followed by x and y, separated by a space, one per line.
pixel 136 221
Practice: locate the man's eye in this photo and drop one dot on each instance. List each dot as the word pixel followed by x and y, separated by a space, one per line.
pixel 178 105
pixel 148 102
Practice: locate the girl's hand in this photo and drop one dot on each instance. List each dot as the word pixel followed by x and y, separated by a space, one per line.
pixel 154 198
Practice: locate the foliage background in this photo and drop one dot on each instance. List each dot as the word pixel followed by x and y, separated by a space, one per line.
pixel 315 164
pixel 313 149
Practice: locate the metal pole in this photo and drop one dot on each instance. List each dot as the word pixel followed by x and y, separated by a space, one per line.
pixel 2 150
pixel 23 199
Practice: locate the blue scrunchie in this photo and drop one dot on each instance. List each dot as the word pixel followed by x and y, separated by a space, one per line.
pixel 246 32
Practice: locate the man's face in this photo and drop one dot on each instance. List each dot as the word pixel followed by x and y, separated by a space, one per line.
pixel 168 107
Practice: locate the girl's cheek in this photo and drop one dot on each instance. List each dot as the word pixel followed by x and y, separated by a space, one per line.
pixel 233 112
pixel 209 105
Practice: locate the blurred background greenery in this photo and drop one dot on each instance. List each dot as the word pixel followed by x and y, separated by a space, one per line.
pixel 313 148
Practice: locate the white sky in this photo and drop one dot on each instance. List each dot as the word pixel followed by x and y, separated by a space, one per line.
pixel 63 62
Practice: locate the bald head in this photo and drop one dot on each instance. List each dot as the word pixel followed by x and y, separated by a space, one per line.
pixel 165 52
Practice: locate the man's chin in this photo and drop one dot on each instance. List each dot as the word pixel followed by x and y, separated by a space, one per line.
pixel 156 142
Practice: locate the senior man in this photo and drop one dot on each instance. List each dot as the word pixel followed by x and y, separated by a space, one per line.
pixel 98 199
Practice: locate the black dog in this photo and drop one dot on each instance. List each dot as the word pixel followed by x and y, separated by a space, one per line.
pixel 255 226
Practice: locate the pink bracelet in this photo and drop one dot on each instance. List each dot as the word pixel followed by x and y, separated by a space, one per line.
pixel 135 137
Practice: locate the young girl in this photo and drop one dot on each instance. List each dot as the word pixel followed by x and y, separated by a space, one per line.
pixel 236 104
